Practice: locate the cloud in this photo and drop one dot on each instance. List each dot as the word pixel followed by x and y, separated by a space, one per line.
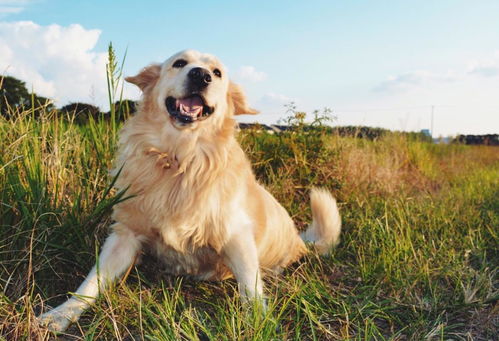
pixel 250 73
pixel 487 68
pixel 10 10
pixel 273 99
pixel 487 71
pixel 55 61
pixel 15 2
pixel 412 79
pixel 463 100
pixel 13 6
pixel 272 107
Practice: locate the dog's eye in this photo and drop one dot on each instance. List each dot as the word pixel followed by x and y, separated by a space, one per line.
pixel 179 63
pixel 217 73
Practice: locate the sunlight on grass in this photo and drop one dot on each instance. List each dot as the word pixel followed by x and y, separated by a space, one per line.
pixel 418 257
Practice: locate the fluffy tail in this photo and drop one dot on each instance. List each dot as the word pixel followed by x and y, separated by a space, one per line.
pixel 325 229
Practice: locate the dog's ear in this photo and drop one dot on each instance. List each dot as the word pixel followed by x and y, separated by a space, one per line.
pixel 146 77
pixel 237 100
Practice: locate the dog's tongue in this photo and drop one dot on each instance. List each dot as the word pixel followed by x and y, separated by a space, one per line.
pixel 191 106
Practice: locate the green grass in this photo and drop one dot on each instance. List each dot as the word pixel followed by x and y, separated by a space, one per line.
pixel 418 258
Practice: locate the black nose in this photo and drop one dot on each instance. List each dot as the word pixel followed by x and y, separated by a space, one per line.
pixel 199 77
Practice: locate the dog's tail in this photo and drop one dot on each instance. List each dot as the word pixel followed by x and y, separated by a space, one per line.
pixel 324 231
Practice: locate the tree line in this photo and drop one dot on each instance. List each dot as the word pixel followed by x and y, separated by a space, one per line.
pixel 15 98
pixel 488 139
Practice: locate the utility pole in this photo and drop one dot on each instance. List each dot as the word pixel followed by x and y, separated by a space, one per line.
pixel 432 110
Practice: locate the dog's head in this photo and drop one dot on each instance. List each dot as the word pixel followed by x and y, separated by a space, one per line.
pixel 190 90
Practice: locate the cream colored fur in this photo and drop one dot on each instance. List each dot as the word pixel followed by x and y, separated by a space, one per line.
pixel 196 200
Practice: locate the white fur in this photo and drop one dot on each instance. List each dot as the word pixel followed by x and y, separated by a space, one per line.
pixel 325 229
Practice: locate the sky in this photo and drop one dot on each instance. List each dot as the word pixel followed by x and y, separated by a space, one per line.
pixel 378 63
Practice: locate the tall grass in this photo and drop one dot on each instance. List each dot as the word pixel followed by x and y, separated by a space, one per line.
pixel 418 257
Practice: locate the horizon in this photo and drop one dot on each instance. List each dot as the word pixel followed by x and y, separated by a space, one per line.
pixel 381 65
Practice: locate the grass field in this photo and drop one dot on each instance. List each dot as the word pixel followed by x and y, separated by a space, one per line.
pixel 418 258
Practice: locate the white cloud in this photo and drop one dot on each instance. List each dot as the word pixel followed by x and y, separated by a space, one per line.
pixel 485 70
pixel 15 2
pixel 250 73
pixel 55 61
pixel 412 79
pixel 13 6
pixel 463 100
pixel 487 67
pixel 272 98
pixel 272 107
pixel 10 10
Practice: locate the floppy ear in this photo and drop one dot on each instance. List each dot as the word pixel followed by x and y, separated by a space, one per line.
pixel 146 77
pixel 237 100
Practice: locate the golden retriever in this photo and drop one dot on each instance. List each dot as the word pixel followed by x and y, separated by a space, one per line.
pixel 196 200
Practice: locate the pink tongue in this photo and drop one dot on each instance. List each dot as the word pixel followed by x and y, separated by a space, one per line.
pixel 191 104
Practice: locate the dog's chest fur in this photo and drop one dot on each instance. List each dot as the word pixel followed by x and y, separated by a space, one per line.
pixel 184 211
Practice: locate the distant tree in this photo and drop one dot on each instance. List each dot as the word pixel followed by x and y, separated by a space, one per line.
pixel 81 111
pixel 13 92
pixel 488 140
pixel 42 102
pixel 123 109
pixel 14 95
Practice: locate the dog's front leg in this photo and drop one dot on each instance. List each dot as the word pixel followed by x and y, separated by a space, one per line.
pixel 241 257
pixel 117 255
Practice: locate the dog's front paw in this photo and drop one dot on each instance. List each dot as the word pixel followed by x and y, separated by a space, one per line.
pixel 55 320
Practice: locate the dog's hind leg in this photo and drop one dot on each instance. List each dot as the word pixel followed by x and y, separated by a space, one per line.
pixel 117 255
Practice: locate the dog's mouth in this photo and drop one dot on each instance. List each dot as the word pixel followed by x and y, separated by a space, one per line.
pixel 188 109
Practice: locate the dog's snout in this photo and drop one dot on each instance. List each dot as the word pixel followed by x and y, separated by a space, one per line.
pixel 199 77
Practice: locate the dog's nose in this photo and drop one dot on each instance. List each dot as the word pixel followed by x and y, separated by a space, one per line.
pixel 199 77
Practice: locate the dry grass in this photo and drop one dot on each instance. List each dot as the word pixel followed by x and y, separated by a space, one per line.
pixel 418 257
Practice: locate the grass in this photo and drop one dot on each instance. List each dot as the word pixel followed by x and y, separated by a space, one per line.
pixel 418 258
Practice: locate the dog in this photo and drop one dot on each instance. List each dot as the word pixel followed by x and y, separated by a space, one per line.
pixel 195 201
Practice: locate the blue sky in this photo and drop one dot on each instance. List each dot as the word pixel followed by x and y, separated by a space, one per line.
pixel 378 63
